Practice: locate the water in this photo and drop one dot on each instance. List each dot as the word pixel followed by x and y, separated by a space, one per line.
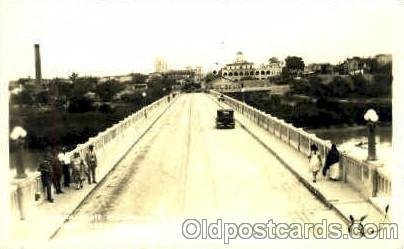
pixel 353 141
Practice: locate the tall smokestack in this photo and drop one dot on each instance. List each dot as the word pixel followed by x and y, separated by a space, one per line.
pixel 38 73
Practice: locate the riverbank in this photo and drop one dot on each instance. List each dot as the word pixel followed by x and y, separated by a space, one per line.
pixel 322 113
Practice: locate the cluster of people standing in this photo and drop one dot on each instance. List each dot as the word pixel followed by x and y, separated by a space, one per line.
pixel 331 165
pixel 56 167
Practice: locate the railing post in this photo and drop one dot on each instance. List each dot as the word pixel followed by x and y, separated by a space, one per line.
pixel 299 134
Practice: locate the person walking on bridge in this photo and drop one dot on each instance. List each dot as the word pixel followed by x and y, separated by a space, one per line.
pixel 78 170
pixel 91 160
pixel 315 161
pixel 332 164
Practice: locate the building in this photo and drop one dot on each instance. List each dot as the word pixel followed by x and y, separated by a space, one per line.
pixel 319 68
pixel 198 73
pixel 160 65
pixel 119 78
pixel 242 69
pixel 383 59
pixel 181 76
pixel 354 66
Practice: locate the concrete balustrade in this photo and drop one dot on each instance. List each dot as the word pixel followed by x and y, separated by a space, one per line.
pixel 369 179
pixel 109 145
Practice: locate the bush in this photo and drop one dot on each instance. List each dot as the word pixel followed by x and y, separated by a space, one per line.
pixel 105 108
pixel 108 90
pixel 23 98
pixel 80 104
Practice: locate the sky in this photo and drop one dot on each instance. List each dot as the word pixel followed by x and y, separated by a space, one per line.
pixel 112 37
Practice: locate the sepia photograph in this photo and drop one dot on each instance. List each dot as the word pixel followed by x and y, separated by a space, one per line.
pixel 201 124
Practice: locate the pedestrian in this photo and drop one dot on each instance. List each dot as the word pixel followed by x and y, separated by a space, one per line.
pixel 56 172
pixel 332 164
pixel 91 160
pixel 315 161
pixel 46 176
pixel 64 159
pixel 78 170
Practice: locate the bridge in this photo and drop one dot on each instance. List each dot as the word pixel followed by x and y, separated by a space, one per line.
pixel 172 164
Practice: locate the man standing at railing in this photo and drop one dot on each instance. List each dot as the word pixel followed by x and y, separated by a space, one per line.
pixel 64 159
pixel 46 176
pixel 91 160
pixel 56 172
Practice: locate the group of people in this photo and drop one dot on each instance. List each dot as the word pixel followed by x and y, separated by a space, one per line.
pixel 73 170
pixel 331 166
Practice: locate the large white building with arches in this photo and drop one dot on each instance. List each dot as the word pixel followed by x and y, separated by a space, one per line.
pixel 242 69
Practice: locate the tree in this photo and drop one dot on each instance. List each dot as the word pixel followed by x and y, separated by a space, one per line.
pixel 138 78
pixel 317 88
pixel 43 97
pixel 294 64
pixel 23 98
pixel 339 87
pixel 210 77
pixel 74 77
pixel 273 60
pixel 108 90
pixel 80 104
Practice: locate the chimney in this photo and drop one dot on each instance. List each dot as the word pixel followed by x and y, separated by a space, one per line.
pixel 38 73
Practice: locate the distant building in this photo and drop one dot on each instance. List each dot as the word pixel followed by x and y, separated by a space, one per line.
pixel 354 66
pixel 242 69
pixel 160 65
pixel 198 73
pixel 319 68
pixel 383 59
pixel 119 78
pixel 181 76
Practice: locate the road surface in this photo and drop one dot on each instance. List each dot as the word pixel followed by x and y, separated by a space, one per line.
pixel 185 168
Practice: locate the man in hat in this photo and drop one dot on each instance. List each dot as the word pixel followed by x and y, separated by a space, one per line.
pixel 91 160
pixel 45 168
pixel 56 172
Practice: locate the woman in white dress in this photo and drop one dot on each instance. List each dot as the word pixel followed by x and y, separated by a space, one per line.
pixel 315 161
pixel 332 164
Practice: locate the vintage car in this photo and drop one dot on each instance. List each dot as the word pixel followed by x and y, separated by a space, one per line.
pixel 225 118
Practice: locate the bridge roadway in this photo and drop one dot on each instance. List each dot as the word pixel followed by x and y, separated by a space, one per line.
pixel 185 168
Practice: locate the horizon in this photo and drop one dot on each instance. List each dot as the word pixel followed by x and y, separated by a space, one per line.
pixel 180 68
pixel 106 38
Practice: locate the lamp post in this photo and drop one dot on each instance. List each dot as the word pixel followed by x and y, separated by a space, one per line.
pixel 371 117
pixel 18 135
pixel 144 103
pixel 144 94
pixel 242 94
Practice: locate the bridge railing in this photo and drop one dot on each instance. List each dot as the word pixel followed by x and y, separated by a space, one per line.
pixel 369 179
pixel 109 145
